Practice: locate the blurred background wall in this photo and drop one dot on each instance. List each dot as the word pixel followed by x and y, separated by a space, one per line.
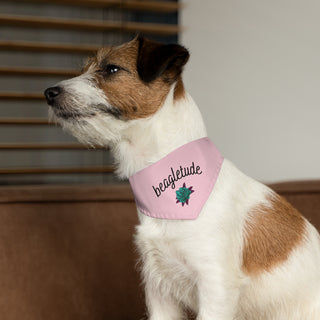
pixel 255 74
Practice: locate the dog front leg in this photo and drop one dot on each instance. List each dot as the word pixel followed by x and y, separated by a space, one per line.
pixel 217 298
pixel 161 307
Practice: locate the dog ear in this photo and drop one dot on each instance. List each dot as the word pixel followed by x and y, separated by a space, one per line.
pixel 156 59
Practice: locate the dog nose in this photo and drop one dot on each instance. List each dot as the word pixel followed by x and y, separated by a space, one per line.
pixel 51 93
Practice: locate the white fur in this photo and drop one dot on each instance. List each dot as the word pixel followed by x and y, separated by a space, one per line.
pixel 83 96
pixel 197 264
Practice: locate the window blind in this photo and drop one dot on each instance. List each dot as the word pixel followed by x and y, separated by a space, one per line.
pixel 43 42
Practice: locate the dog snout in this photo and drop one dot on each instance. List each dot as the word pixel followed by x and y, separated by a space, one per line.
pixel 51 94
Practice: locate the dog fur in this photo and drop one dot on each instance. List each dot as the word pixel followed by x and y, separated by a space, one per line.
pixel 249 255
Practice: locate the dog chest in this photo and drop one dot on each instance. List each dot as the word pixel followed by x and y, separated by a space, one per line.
pixel 165 267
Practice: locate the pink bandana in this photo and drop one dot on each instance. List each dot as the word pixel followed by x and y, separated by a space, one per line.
pixel 178 185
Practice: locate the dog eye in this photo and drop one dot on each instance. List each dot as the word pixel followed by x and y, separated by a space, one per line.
pixel 110 69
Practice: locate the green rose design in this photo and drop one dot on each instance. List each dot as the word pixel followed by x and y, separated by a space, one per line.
pixel 183 194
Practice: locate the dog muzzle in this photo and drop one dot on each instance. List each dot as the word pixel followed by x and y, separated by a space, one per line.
pixel 178 186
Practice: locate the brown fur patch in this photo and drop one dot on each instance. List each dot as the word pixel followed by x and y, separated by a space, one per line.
pixel 271 233
pixel 125 90
pixel 179 89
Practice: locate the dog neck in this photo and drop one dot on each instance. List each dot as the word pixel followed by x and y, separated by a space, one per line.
pixel 148 140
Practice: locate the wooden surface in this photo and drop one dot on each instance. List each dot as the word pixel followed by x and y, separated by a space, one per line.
pixel 52 193
pixel 294 187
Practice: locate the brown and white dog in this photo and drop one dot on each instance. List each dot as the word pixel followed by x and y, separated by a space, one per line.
pixel 249 255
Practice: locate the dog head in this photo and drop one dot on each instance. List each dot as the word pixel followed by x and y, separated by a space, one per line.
pixel 119 85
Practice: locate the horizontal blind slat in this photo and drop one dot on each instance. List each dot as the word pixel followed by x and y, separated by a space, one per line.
pixel 21 96
pixel 38 72
pixel 157 6
pixel 23 121
pixel 47 47
pixel 89 25
pixel 47 146
pixel 61 170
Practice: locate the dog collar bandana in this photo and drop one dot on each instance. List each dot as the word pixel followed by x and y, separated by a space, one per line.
pixel 177 186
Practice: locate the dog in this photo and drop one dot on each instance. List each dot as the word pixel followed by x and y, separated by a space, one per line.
pixel 244 253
